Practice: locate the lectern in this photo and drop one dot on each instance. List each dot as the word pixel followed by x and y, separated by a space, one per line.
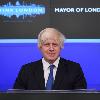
pixel 50 95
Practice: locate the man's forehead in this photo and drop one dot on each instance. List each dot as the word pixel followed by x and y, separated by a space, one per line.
pixel 48 40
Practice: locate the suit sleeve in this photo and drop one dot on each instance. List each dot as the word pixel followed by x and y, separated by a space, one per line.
pixel 21 80
pixel 80 81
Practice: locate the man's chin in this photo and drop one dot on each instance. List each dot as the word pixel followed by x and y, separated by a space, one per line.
pixel 51 59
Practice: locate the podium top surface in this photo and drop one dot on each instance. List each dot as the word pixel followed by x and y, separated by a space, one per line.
pixel 53 91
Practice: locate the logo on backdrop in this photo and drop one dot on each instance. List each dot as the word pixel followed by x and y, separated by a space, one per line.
pixel 21 10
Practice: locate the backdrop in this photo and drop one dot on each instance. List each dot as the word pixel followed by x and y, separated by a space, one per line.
pixel 14 55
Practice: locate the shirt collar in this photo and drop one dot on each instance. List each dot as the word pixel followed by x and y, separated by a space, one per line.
pixel 46 64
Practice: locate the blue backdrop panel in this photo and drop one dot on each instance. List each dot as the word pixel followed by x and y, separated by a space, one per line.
pixel 13 56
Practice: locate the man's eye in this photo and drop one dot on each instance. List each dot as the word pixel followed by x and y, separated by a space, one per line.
pixel 55 44
pixel 46 44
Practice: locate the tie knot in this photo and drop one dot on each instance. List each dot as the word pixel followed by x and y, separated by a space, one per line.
pixel 52 66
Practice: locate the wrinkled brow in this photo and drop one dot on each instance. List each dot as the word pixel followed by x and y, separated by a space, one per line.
pixel 47 41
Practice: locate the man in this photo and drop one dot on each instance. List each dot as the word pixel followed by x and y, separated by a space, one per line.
pixel 66 75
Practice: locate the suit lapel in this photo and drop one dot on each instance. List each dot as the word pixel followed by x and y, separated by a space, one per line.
pixel 59 74
pixel 40 75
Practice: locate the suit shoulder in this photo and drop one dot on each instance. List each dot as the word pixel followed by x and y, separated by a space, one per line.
pixel 69 62
pixel 71 65
pixel 32 65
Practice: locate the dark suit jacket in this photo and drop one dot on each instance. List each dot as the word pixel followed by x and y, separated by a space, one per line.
pixel 69 76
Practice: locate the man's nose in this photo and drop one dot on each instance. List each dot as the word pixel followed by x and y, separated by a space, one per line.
pixel 51 47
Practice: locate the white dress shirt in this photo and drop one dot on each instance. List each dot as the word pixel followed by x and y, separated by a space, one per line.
pixel 46 69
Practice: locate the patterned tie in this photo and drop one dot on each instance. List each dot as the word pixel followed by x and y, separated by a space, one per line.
pixel 50 79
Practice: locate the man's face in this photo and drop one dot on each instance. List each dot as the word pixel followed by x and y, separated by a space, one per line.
pixel 50 47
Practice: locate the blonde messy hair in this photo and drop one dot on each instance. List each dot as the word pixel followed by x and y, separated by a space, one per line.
pixel 60 35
